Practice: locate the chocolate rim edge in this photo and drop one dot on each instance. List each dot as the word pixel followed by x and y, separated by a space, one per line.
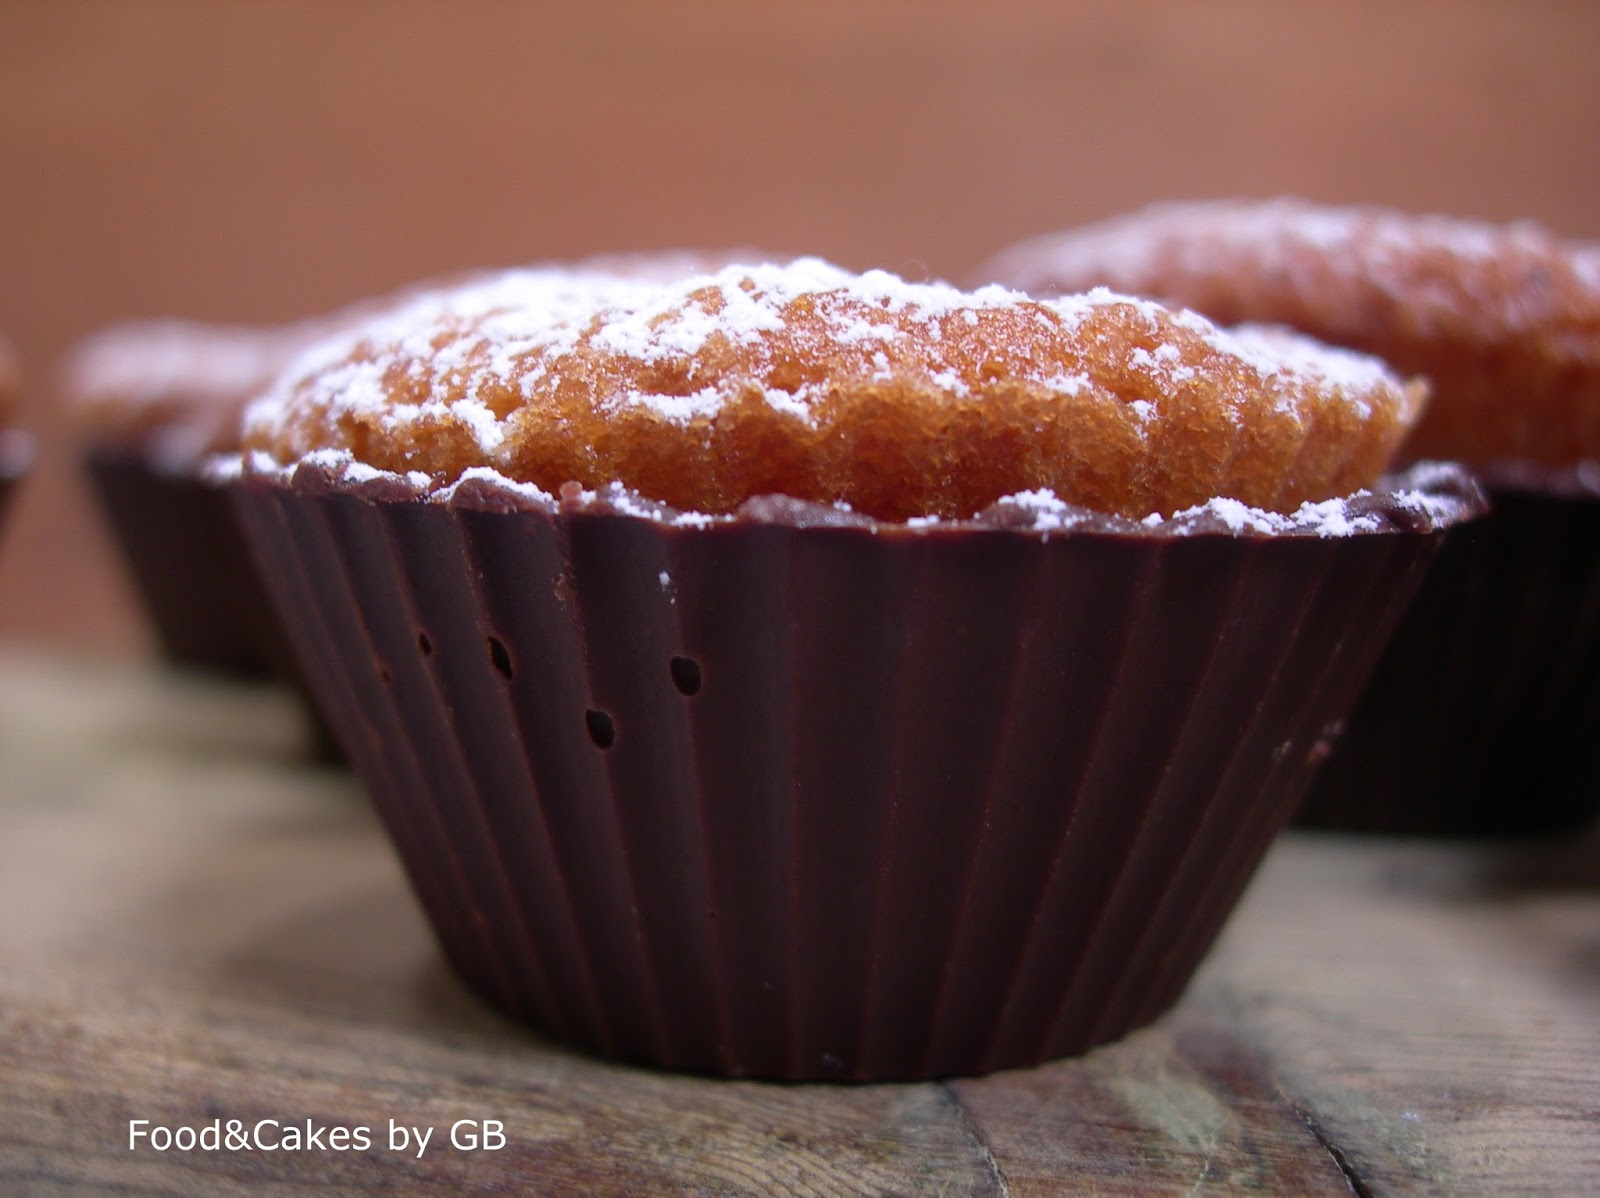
pixel 1426 497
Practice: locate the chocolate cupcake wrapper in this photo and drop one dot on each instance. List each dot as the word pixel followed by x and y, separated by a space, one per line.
pixel 1483 717
pixel 191 565
pixel 805 802
pixel 195 575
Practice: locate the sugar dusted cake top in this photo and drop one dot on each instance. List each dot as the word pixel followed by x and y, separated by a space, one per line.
pixel 1503 320
pixel 897 399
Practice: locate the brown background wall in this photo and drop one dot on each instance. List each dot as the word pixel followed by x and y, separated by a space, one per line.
pixel 258 161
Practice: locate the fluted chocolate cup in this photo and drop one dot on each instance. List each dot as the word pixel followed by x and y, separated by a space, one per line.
pixel 800 795
pixel 190 563
pixel 194 573
pixel 1483 717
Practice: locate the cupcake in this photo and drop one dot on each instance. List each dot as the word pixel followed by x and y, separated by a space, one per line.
pixel 797 674
pixel 1484 717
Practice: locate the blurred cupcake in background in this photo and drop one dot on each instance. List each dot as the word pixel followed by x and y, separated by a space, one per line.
pixel 1484 718
pixel 150 401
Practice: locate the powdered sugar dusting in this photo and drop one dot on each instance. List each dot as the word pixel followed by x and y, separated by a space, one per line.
pixel 149 362
pixel 1199 233
pixel 1308 249
pixel 1237 516
pixel 1070 384
pixel 1426 490
pixel 482 474
pixel 1048 511
pixel 1586 264
pixel 502 318
pixel 1271 348
pixel 512 334
pixel 1330 518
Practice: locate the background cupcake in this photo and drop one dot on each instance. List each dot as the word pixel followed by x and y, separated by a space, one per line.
pixel 798 674
pixel 1483 717
pixel 152 400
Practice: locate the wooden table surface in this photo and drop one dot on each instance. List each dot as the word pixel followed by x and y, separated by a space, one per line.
pixel 197 925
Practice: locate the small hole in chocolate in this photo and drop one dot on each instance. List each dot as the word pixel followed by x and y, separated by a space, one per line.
pixel 383 672
pixel 601 728
pixel 424 643
pixel 686 675
pixel 500 657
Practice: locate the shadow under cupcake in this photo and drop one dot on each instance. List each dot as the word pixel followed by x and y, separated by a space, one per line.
pixel 783 674
pixel 1484 716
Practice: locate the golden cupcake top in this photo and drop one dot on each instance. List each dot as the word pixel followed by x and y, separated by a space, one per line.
pixel 897 399
pixel 1503 320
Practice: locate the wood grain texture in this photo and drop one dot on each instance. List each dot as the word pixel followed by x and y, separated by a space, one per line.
pixel 257 162
pixel 199 925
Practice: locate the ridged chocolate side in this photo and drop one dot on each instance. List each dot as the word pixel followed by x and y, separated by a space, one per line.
pixel 1483 717
pixel 917 805
pixel 195 575
pixel 190 564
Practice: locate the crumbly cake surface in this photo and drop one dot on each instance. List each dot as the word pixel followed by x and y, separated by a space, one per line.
pixel 1504 321
pixel 899 400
